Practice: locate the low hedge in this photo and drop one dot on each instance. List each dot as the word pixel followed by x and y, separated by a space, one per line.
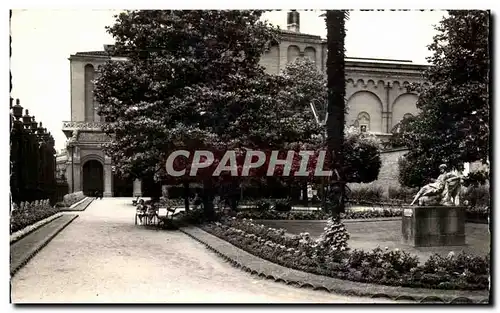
pixel 71 198
pixel 392 268
pixel 315 215
pixel 479 214
pixel 28 213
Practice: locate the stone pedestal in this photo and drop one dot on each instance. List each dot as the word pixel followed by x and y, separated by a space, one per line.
pixel 429 226
pixel 137 192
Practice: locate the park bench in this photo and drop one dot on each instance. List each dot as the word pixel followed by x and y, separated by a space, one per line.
pixel 164 220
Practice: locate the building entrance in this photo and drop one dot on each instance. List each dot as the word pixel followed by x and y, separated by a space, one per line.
pixel 93 178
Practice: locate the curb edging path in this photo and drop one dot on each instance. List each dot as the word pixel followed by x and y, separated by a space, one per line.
pixel 266 269
pixel 20 234
pixel 84 203
pixel 23 250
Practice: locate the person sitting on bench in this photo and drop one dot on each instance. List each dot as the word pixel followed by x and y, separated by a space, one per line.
pixel 151 211
pixel 141 210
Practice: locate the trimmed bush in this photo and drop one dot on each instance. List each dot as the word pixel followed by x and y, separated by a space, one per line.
pixel 316 215
pixel 28 213
pixel 366 194
pixel 282 205
pixel 73 198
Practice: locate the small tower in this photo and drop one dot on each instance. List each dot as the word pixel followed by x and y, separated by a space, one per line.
pixel 293 21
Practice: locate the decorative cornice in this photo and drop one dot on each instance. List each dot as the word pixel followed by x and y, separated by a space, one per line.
pixel 93 55
pixel 385 74
pixel 84 126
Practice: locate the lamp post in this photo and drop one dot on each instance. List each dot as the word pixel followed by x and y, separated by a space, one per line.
pixel 17 110
pixel 16 142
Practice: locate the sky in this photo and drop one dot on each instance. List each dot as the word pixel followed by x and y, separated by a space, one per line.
pixel 43 40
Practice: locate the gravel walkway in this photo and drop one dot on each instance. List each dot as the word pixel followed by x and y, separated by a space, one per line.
pixel 102 257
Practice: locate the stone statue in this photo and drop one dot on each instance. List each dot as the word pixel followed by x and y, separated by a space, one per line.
pixel 443 191
pixel 75 135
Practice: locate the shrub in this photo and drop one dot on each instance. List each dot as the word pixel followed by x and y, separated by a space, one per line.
pixel 191 217
pixel 282 205
pixel 477 197
pixel 334 237
pixel 316 215
pixel 262 205
pixel 478 214
pixel 73 198
pixel 361 156
pixel 394 268
pixel 477 178
pixel 403 194
pixel 28 213
pixel 366 194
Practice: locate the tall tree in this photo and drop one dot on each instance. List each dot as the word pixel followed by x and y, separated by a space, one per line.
pixel 453 124
pixel 191 80
pixel 335 69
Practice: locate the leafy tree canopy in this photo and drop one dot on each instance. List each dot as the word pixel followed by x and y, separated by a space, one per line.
pixel 192 79
pixel 453 124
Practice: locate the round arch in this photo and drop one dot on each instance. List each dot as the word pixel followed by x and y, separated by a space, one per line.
pixel 404 104
pixel 293 52
pixel 368 103
pixel 310 52
pixel 92 177
pixel 90 157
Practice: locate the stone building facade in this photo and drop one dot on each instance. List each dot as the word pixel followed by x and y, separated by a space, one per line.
pixel 375 94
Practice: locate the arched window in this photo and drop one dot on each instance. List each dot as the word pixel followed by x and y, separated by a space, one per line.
pixel 293 52
pixel 363 121
pixel 310 53
pixel 89 93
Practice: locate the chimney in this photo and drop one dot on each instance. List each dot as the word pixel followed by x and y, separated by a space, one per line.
pixel 293 21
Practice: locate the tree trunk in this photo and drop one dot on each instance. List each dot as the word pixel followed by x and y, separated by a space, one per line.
pixel 186 196
pixel 304 193
pixel 208 200
pixel 335 69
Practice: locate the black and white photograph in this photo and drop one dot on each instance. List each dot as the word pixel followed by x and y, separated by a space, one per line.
pixel 250 156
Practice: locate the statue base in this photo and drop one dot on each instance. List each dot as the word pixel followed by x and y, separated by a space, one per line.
pixel 430 226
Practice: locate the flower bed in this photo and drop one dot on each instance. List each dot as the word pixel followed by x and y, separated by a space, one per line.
pixel 393 268
pixel 29 213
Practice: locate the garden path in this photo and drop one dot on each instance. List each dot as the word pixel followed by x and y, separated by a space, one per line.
pixel 102 257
